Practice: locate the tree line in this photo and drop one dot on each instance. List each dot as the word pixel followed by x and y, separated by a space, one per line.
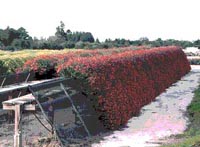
pixel 12 39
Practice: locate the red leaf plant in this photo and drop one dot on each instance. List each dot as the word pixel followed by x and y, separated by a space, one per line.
pixel 126 81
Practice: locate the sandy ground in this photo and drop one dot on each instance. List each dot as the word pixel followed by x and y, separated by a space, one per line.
pixel 160 119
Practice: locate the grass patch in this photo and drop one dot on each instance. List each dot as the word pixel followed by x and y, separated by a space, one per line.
pixel 191 137
pixel 187 142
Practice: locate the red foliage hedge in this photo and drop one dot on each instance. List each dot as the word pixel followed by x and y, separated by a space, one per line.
pixel 126 81
pixel 42 64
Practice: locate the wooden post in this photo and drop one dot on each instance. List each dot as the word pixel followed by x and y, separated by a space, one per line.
pixel 18 105
pixel 17 135
pixel 27 77
pixel 3 82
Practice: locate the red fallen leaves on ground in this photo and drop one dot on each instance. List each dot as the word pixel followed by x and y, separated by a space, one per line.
pixel 126 81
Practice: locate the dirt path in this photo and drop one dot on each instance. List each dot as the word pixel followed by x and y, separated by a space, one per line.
pixel 162 118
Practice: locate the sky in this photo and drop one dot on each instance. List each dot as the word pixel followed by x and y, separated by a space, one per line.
pixel 129 19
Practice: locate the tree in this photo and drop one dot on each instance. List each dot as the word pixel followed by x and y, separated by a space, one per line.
pixel 23 34
pixel 12 34
pixel 79 45
pixel 17 39
pixel 68 31
pixel 17 43
pixel 144 40
pixel 86 37
pixel 60 32
pixel 4 37
pixel 1 45
pixel 157 43
pixel 97 40
pixel 197 43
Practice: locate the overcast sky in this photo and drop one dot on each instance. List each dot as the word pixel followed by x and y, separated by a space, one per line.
pixel 130 19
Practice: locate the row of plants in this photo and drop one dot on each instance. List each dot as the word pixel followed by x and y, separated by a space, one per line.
pixel 44 63
pixel 41 60
pixel 9 65
pixel 10 62
pixel 118 81
pixel 119 85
